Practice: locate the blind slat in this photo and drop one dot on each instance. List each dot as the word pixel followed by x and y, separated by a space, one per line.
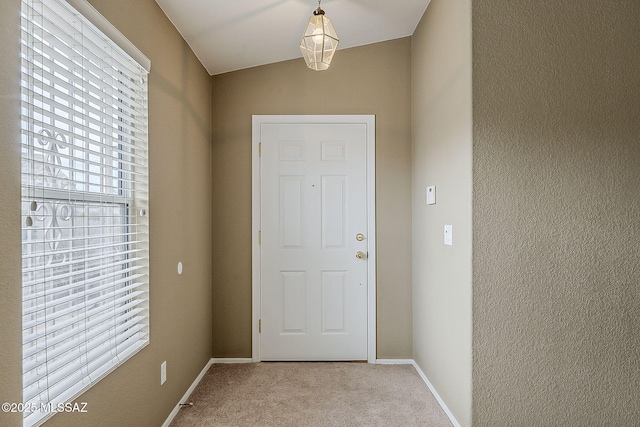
pixel 86 122
pixel 38 268
pixel 61 72
pixel 94 328
pixel 94 110
pixel 89 308
pixel 65 365
pixel 37 314
pixel 113 266
pixel 40 318
pixel 122 147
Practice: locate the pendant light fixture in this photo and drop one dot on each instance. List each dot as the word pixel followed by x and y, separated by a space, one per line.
pixel 319 41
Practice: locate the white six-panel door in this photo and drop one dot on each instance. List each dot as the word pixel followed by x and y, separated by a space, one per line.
pixel 314 242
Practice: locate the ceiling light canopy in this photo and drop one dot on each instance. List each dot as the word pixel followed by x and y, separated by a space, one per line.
pixel 319 41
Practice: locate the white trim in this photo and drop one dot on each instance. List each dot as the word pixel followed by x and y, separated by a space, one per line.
pixel 369 121
pixel 195 383
pixel 256 285
pixel 232 360
pixel 395 362
pixel 96 18
pixel 372 316
pixel 436 395
pixel 250 360
pixel 426 381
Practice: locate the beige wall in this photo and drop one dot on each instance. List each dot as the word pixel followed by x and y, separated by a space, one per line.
pixel 372 79
pixel 556 310
pixel 180 225
pixel 442 132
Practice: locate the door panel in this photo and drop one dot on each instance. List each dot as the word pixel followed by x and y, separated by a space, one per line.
pixel 313 204
pixel 294 302
pixel 291 211
pixel 334 212
pixel 334 294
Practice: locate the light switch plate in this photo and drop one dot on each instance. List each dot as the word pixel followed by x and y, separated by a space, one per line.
pixel 448 235
pixel 431 195
pixel 163 372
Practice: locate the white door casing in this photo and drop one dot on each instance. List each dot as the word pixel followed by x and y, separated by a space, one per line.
pixel 313 192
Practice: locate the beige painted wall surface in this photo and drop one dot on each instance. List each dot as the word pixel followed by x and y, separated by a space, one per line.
pixel 373 79
pixel 556 213
pixel 10 236
pixel 180 212
pixel 442 132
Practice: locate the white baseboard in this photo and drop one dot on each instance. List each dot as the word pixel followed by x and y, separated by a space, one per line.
pixel 394 362
pixel 426 381
pixel 186 395
pixel 378 361
pixel 232 360
pixel 436 395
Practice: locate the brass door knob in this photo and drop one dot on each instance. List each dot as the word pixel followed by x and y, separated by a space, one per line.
pixel 361 255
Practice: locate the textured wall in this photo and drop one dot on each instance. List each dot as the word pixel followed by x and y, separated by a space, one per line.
pixel 441 149
pixel 372 79
pixel 556 240
pixel 180 226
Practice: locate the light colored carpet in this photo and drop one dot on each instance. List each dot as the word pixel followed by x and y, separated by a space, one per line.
pixel 311 394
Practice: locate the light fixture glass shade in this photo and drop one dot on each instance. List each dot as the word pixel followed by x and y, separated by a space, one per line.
pixel 319 42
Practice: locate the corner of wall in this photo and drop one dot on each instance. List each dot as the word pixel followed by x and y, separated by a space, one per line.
pixel 442 157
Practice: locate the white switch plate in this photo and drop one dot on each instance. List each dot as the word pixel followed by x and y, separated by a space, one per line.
pixel 163 372
pixel 448 235
pixel 431 195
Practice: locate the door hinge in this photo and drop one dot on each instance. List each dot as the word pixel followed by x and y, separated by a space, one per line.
pixel 260 149
pixel 260 326
pixel 259 237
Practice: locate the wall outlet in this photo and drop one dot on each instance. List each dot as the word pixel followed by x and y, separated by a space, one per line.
pixel 163 372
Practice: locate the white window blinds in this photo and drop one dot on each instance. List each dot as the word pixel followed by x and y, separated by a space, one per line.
pixel 84 205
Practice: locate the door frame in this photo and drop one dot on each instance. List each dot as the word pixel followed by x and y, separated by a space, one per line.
pixel 256 283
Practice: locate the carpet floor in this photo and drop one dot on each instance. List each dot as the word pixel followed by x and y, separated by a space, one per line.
pixel 311 394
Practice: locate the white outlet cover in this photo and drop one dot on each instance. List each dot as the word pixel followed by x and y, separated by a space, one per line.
pixel 448 235
pixel 431 195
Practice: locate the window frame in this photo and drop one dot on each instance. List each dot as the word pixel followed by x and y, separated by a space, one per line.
pixel 130 166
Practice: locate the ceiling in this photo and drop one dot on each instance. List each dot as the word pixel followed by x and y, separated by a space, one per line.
pixel 229 35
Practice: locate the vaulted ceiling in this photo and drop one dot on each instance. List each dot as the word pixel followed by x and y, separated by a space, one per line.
pixel 229 35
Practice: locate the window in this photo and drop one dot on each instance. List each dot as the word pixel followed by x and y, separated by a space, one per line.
pixel 84 203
